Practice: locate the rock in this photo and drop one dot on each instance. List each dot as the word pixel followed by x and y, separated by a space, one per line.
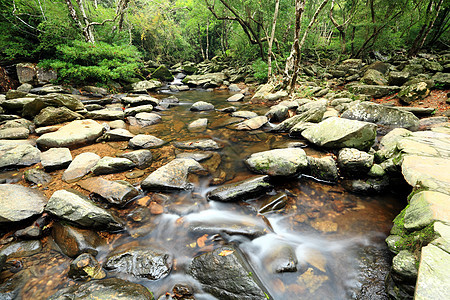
pixel 198 125
pixel 275 96
pixel 145 141
pixel 376 171
pixel 418 111
pixel 374 77
pixel 18 155
pixel 73 241
pixel 16 104
pixel 425 143
pixel 241 190
pixel 354 162
pixel 375 91
pixel 277 113
pixel 432 280
pixel 442 79
pixel 366 187
pixel 117 135
pixel 76 208
pixel 106 114
pixel 55 115
pixel 235 281
pixel 75 133
pixel 425 208
pixel 323 168
pixel 404 264
pixel 388 144
pixel 312 115
pixel 413 92
pixel 105 289
pixel 56 158
pixel 162 73
pixel 13 94
pixel 115 192
pixel 18 203
pixel 80 166
pixel 171 100
pixel 433 66
pixel 14 133
pixel 37 177
pixel 47 129
pixel 244 114
pixel 381 115
pixel 144 119
pixel 202 106
pixel 86 267
pixel 141 100
pixel 32 108
pixel 172 176
pixel 147 263
pixel 204 144
pixel 48 89
pixel 273 203
pixel 95 90
pixel 26 72
pixel 132 111
pixel 209 80
pixel 141 158
pixel 144 86
pixel 263 90
pixel 281 259
pixel 118 124
pixel 414 69
pixel 197 156
pixel 236 97
pixel 336 133
pixel 278 162
pixel 398 78
pixel 252 124
pixel 21 249
pixel 18 123
pixel 108 165
pixel 234 88
pixel 427 172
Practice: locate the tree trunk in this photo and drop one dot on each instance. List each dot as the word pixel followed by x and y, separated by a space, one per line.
pixel 270 42
pixel 207 39
pixel 87 29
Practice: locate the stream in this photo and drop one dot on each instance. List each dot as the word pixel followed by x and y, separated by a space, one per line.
pixel 338 237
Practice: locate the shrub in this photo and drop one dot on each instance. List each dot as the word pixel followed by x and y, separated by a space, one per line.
pixel 260 69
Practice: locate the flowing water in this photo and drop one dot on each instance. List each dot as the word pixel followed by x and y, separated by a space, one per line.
pixel 338 237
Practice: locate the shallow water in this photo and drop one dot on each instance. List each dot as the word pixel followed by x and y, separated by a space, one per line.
pixel 338 237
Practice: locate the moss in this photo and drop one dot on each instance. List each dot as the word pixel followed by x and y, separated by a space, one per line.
pixel 416 240
pixel 399 223
pixel 417 189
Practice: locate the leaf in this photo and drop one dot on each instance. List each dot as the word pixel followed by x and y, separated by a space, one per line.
pixel 201 240
pixel 192 245
pixel 156 208
pixel 226 252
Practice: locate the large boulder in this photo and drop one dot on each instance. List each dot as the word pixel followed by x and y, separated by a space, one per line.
pixel 144 86
pixel 381 115
pixel 413 92
pixel 354 162
pixel 442 80
pixel 73 241
pixel 375 91
pixel 278 162
pixel 55 115
pixel 78 209
pixel 374 77
pixel 226 274
pixel 263 91
pixel 106 289
pixel 336 133
pixel 162 73
pixel 75 133
pixel 18 203
pixel 241 190
pixel 32 108
pixel 172 176
pixel 206 80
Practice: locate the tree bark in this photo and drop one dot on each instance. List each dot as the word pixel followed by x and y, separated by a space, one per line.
pixel 270 42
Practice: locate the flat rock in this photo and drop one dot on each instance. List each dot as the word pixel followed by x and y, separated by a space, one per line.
pixel 80 166
pixel 425 143
pixel 141 158
pixel 132 111
pixel 18 155
pixel 77 208
pixel 236 97
pixel 73 241
pixel 106 114
pixel 56 158
pixel 36 176
pixel 108 165
pixel 75 133
pixel 204 144
pixel 145 141
pixel 118 134
pixel 197 156
pixel 106 289
pixel 33 108
pixel 140 100
pixel 147 263
pixel 144 86
pixel 202 106
pixel 115 192
pixel 144 119
pixel 381 115
pixel 241 190
pixel 14 133
pixel 244 114
pixel 354 162
pixel 21 249
pixel 425 208
pixel 172 176
pixel 56 115
pixel 376 91
pixel 252 124
pixel 278 162
pixel 336 133
pixel 18 203
pixel 16 104
pixel 198 125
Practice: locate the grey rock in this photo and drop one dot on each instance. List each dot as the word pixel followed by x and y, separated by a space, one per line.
pixel 278 162
pixel 145 141
pixel 398 78
pixel 147 263
pixel 404 264
pixel 76 208
pixel 367 187
pixel 141 100
pixel 413 92
pixel 18 203
pixel 241 190
pixel 118 124
pixel 277 113
pixel 273 203
pixel 46 129
pixel 15 104
pixel 281 259
pixel 209 80
pixel 442 79
pixel 323 168
pixel 141 158
pixel 244 114
pixel 37 177
pixel 354 162
pixel 172 176
pixel 106 114
pixel 32 108
pixel 18 155
pixel 13 94
pixel 21 249
pixel 381 115
pixel 314 115
pixel 202 106
pixel 336 133
pixel 144 86
pixel 236 97
pixel 252 124
pixel 108 165
pixel 204 144
pixel 80 166
pixel 144 119
pixel 117 135
pixel 376 91
pixel 48 89
pixel 55 115
pixel 75 133
pixel 374 77
pixel 26 72
pixel 56 158
pixel 14 133
pixel 198 125
pixel 115 192
pixel 132 111
pixel 197 156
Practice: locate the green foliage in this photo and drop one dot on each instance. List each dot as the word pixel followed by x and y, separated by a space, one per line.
pixel 260 69
pixel 82 62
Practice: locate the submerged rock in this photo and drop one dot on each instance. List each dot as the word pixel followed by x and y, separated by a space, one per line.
pixel 115 192
pixel 205 144
pixel 241 190
pixel 273 203
pixel 86 267
pixel 281 259
pixel 252 124
pixel 226 275
pixel 145 141
pixel 141 158
pixel 18 203
pixel 73 241
pixel 278 162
